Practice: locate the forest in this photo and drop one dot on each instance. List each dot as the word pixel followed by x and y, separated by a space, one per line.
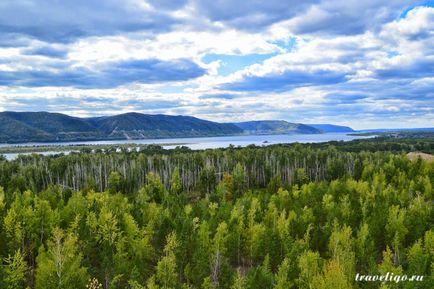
pixel 308 216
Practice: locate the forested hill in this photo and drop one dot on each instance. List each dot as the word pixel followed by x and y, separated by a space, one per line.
pixel 275 127
pixel 136 125
pixel 331 128
pixel 43 126
pixel 18 127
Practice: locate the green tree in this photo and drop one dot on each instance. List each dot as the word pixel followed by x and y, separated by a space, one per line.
pixel 309 264
pixel 175 182
pixel 239 175
pixel 166 276
pixel 60 265
pixel 15 270
pixel 207 180
pixel 154 188
pixel 282 277
pixel 115 182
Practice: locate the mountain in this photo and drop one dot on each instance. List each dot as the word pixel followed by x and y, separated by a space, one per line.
pixel 331 128
pixel 275 127
pixel 12 130
pixel 47 127
pixel 43 126
pixel 16 127
pixel 136 125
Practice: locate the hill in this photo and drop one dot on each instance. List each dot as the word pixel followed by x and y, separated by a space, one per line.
pixel 44 126
pixel 275 127
pixel 18 127
pixel 136 125
pixel 331 128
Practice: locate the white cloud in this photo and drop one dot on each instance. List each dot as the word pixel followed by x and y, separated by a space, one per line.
pixel 352 60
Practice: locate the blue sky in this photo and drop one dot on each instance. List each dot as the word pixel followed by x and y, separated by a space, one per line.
pixel 365 63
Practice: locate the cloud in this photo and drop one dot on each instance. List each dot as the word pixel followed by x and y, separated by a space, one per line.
pixel 250 15
pixel 47 51
pixel 288 80
pixel 66 21
pixel 361 63
pixel 110 75
pixel 349 17
pixel 218 96
pixel 342 98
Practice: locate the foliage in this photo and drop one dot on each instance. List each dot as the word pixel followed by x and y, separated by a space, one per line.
pixel 274 217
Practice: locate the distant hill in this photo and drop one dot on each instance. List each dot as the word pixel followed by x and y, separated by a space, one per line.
pixel 16 127
pixel 12 130
pixel 419 129
pixel 331 128
pixel 43 126
pixel 275 127
pixel 136 126
pixel 47 127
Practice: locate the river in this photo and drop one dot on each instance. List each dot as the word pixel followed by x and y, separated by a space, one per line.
pixel 204 142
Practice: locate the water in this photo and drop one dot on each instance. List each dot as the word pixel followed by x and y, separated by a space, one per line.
pixel 205 142
pixel 12 156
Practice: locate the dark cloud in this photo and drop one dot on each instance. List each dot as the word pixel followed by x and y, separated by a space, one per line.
pixel 108 76
pixel 98 104
pixel 286 81
pixel 46 51
pixel 168 4
pixel 66 21
pixel 150 104
pixel 218 96
pixel 250 15
pixel 305 17
pixel 414 69
pixel 347 17
pixel 343 98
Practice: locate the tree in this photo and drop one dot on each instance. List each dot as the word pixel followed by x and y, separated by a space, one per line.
pixel 175 182
pixel 239 176
pixel 300 177
pixel 333 276
pixel 365 250
pixel 309 264
pixel 239 282
pixel 59 266
pixel 388 266
pixel 418 260
pixel 207 180
pixel 341 247
pixel 260 277
pixel 166 276
pixel 229 187
pixel 201 254
pixel 155 188
pixel 15 271
pixel 115 182
pixel 282 277
pixel 219 250
pixel 396 230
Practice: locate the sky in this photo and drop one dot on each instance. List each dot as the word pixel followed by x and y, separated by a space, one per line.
pixel 366 64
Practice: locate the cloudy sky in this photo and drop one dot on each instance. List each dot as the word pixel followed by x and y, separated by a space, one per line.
pixel 363 63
